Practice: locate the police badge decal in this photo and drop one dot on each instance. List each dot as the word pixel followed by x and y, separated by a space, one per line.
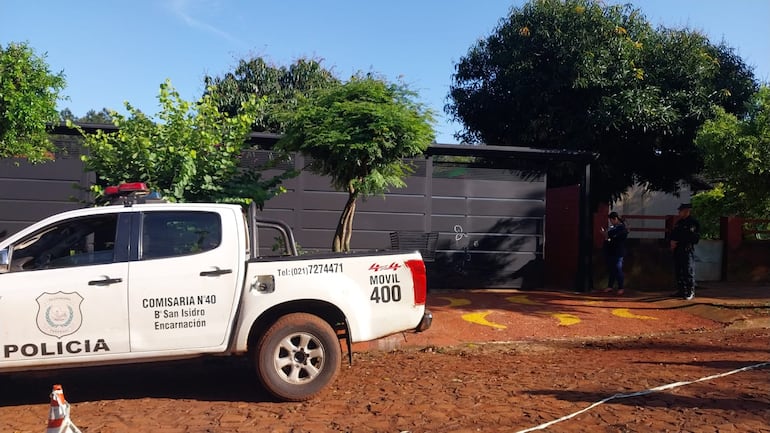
pixel 59 314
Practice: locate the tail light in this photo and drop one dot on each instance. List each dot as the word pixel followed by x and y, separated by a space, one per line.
pixel 419 280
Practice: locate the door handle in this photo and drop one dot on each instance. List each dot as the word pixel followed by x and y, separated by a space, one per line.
pixel 216 273
pixel 105 282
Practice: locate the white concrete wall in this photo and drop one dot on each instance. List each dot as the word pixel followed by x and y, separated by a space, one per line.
pixel 639 201
pixel 708 260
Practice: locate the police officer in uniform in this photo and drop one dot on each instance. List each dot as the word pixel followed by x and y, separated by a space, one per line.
pixel 684 236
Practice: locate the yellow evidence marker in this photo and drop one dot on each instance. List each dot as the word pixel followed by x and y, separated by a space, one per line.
pixel 566 319
pixel 522 299
pixel 480 318
pixel 456 302
pixel 624 313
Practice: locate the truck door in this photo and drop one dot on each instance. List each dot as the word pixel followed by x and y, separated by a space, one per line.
pixel 64 297
pixel 183 286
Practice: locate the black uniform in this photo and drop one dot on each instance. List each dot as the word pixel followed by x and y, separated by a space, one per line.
pixel 686 233
pixel 614 250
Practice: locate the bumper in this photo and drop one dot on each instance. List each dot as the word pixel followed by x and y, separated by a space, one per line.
pixel 427 320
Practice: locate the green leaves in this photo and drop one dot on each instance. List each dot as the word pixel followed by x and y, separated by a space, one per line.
pixel 28 95
pixel 360 129
pixel 737 152
pixel 583 75
pixel 358 134
pixel 191 154
pixel 281 89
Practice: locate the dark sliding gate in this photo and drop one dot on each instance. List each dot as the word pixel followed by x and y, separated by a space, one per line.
pixel 488 222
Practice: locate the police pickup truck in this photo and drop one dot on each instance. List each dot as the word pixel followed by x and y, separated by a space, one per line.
pixel 144 280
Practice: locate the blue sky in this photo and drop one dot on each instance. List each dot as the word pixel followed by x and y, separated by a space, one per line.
pixel 116 51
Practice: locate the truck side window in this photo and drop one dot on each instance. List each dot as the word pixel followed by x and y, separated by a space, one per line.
pixel 179 233
pixel 75 242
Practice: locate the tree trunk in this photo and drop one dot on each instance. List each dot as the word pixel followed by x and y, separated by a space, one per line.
pixel 345 225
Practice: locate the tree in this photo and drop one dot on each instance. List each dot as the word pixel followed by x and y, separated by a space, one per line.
pixel 28 95
pixel 102 117
pixel 192 154
pixel 359 133
pixel 734 80
pixel 582 75
pixel 737 156
pixel 281 86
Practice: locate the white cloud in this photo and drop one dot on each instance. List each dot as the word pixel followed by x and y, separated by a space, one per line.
pixel 185 9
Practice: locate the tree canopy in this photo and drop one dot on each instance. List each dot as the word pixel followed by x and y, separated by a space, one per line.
pixel 191 154
pixel 28 95
pixel 582 75
pixel 737 157
pixel 92 116
pixel 280 86
pixel 358 134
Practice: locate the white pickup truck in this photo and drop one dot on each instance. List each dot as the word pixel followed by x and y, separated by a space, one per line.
pixel 144 280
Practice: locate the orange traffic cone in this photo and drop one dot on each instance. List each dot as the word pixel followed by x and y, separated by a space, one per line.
pixel 59 414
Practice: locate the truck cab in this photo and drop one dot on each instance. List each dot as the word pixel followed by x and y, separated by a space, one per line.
pixel 121 282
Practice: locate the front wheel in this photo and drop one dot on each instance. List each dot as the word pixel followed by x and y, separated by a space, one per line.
pixel 297 357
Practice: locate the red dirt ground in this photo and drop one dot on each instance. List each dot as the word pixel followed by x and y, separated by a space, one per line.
pixel 450 382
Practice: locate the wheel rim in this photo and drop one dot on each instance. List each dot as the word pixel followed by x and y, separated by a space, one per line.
pixel 299 358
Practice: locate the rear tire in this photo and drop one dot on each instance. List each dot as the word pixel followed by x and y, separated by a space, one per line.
pixel 297 357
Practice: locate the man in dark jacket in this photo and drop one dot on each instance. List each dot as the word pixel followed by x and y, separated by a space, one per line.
pixel 684 236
